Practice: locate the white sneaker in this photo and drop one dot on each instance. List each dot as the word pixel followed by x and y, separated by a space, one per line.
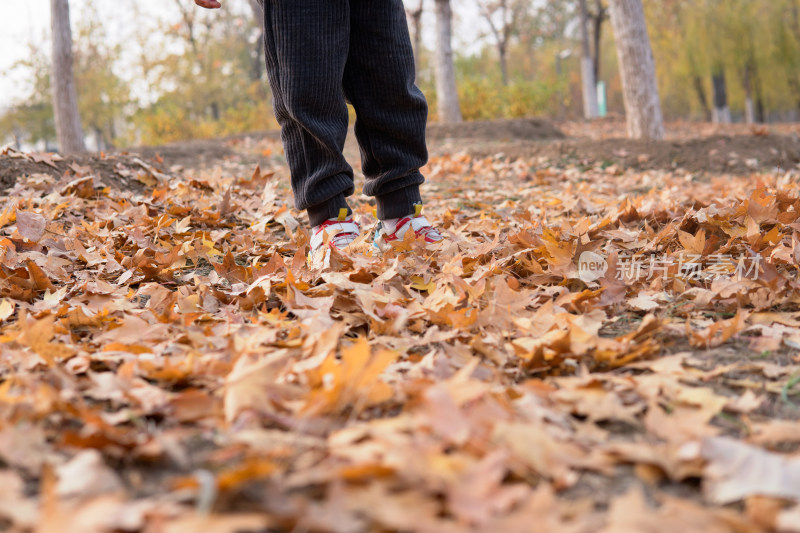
pixel 416 222
pixel 335 233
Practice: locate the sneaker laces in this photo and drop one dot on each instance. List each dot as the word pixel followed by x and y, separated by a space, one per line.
pixel 418 223
pixel 426 230
pixel 341 240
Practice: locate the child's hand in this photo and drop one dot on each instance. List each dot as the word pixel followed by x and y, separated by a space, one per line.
pixel 208 4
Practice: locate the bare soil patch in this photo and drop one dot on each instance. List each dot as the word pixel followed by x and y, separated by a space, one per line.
pixel 696 148
pixel 114 170
pixel 718 154
pixel 190 154
pixel 526 129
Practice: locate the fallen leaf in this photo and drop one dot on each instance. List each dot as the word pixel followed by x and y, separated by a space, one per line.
pixel 14 506
pixel 736 470
pixel 85 476
pixel 6 308
pixel 254 385
pixel 30 225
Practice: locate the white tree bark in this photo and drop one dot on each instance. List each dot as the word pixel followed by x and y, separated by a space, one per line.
pixel 65 98
pixel 722 112
pixel 749 111
pixel 446 88
pixel 637 66
pixel 590 106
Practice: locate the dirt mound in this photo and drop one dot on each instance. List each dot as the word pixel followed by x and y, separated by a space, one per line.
pixel 527 129
pixel 190 154
pixel 718 154
pixel 114 170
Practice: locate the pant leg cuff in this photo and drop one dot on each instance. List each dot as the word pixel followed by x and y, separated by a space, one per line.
pixel 399 203
pixel 317 214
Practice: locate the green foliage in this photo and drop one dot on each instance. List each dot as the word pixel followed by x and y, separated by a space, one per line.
pixel 755 43
pixel 486 99
pixel 534 88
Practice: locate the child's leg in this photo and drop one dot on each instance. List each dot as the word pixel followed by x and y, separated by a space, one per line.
pixel 391 111
pixel 306 45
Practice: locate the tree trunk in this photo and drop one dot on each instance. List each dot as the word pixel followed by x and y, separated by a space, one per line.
pixel 112 133
pixel 446 89
pixel 722 113
pixel 637 66
pixel 258 61
pixel 99 139
pixel 749 111
pixel 760 109
pixel 415 17
pixel 590 108
pixel 796 19
pixel 697 81
pixel 501 52
pixel 598 37
pixel 794 85
pixel 749 105
pixel 187 13
pixel 501 33
pixel 65 98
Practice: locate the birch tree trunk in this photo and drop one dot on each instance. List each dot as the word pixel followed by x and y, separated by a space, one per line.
pixel 446 89
pixel 722 112
pixel 590 108
pixel 749 105
pixel 65 98
pixel 637 66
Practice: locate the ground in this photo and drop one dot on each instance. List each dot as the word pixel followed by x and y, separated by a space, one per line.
pixel 170 363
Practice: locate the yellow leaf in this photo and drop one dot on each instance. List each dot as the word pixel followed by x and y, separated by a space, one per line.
pixel 694 244
pixel 8 216
pixel 352 383
pixel 420 285
pixel 209 246
pixel 255 385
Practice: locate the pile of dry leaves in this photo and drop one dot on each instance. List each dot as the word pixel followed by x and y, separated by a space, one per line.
pixel 169 363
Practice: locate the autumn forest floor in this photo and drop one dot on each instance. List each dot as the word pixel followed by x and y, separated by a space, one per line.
pixel 169 363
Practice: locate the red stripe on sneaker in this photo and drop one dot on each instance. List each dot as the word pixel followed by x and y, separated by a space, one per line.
pixel 400 223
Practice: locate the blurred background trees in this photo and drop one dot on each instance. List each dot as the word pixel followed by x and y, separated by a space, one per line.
pixel 180 72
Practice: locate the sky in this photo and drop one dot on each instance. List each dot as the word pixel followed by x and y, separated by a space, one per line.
pixel 21 22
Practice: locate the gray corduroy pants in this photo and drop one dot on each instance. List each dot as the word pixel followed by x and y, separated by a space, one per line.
pixel 322 54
